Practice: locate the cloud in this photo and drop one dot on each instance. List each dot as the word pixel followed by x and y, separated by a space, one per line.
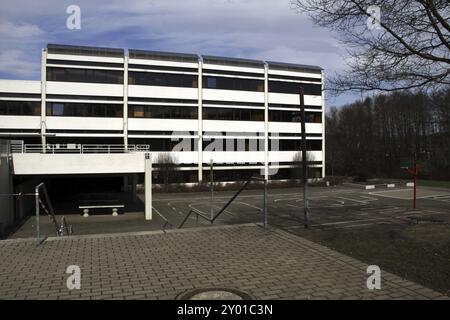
pixel 17 64
pixel 10 30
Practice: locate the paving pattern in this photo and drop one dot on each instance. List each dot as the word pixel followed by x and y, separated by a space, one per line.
pixel 265 263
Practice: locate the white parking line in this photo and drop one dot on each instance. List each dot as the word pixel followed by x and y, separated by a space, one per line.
pixel 249 205
pixel 350 221
pixel 340 204
pixel 388 194
pixel 191 205
pixel 349 199
pixel 360 225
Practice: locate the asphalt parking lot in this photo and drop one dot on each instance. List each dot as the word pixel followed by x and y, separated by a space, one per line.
pixel 332 207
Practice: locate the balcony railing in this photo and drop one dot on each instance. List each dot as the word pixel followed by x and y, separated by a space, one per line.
pixel 78 148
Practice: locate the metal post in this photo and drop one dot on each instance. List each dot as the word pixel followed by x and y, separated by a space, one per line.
pixel 265 203
pixel 266 121
pixel 211 182
pixel 200 120
pixel 304 160
pixel 148 186
pixel 38 230
pixel 43 126
pixel 416 172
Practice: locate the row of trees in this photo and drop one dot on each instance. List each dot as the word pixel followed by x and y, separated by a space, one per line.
pixel 370 138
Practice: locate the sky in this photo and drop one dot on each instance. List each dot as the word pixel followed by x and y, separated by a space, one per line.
pixel 255 29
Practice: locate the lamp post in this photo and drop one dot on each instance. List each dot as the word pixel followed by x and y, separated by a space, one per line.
pixel 304 159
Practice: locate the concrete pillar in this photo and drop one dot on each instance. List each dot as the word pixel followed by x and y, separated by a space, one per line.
pixel 125 101
pixel 323 126
pixel 200 120
pixel 266 121
pixel 148 186
pixel 43 97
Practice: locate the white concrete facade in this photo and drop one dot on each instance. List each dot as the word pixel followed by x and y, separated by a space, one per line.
pixel 148 79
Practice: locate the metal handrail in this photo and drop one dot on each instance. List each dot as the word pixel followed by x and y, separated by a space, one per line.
pixel 61 229
pixel 78 148
pixel 38 203
pixel 198 213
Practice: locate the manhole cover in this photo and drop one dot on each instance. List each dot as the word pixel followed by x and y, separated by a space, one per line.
pixel 214 294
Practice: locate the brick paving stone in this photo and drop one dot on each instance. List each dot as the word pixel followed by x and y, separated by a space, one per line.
pixel 267 264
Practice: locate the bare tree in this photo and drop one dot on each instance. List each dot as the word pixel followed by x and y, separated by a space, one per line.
pixel 411 49
pixel 369 138
pixel 167 166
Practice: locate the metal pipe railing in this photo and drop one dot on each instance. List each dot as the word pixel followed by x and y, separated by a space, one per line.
pixel 199 213
pixel 61 229
pixel 77 148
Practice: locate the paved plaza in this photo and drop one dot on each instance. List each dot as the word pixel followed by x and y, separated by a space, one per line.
pixel 264 263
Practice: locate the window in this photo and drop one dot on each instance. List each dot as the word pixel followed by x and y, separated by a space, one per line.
pixel 294 116
pixel 162 112
pixel 84 75
pixel 239 144
pixel 314 117
pixel 78 75
pixel 163 79
pixel 57 109
pixel 314 145
pixel 84 110
pixel 210 82
pixel 294 88
pixel 295 145
pixel 20 108
pixel 98 110
pixel 233 114
pixel 137 111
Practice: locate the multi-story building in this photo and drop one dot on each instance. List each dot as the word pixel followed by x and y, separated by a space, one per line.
pixel 241 114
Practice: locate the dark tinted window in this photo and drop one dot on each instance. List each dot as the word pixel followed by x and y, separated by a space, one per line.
pixel 210 82
pixel 163 79
pixel 84 75
pixel 294 88
pixel 296 145
pixel 20 108
pixel 294 116
pixel 233 114
pixel 162 112
pixel 229 144
pixel 84 110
